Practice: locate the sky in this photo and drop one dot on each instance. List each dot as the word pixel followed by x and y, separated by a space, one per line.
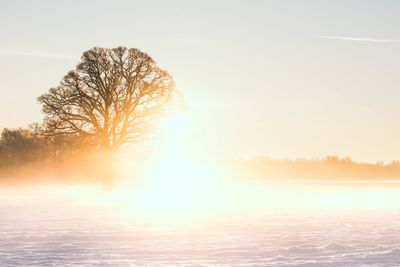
pixel 285 79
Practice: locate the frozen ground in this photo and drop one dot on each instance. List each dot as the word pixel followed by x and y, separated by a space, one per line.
pixel 66 234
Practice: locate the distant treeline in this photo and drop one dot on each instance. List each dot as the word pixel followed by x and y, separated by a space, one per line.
pixel 24 151
pixel 330 167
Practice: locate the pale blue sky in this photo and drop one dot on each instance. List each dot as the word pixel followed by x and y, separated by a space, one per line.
pixel 279 78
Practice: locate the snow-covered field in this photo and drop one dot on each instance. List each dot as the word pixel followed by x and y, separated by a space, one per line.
pixel 46 232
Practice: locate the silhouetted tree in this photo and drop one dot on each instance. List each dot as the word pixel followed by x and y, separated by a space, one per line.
pixel 110 97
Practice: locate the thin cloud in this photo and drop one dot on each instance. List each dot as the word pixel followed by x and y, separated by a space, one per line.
pixel 34 53
pixel 357 39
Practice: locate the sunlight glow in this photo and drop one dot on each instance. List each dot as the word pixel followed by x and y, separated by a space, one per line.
pixel 178 186
pixel 180 190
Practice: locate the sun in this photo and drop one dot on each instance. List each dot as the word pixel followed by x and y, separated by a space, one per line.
pixel 179 186
pixel 177 124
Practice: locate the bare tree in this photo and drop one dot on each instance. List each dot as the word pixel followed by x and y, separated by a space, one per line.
pixel 109 97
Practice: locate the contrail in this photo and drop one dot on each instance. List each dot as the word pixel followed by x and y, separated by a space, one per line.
pixel 357 39
pixel 34 53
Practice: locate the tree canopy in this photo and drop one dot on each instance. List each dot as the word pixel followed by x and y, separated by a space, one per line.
pixel 109 96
